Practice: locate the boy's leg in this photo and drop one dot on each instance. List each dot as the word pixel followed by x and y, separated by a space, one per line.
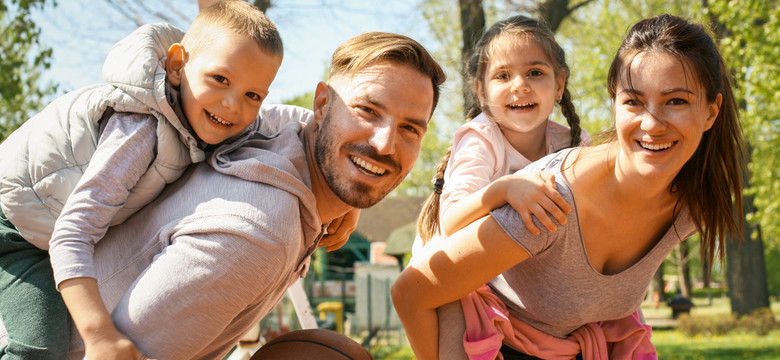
pixel 32 309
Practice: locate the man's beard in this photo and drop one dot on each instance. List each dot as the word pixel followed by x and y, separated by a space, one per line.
pixel 352 193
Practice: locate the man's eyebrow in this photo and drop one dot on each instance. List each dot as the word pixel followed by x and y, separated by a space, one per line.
pixel 422 123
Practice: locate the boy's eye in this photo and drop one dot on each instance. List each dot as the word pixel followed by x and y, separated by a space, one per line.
pixel 254 96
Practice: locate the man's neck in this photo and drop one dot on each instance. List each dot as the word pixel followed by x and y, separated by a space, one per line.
pixel 329 206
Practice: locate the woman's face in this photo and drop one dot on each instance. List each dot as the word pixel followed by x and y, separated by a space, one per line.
pixel 660 116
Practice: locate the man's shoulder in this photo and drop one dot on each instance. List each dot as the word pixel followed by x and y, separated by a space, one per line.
pixel 272 118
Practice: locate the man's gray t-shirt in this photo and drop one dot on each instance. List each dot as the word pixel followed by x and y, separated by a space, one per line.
pixel 557 289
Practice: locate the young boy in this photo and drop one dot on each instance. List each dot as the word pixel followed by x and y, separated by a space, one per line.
pixel 96 155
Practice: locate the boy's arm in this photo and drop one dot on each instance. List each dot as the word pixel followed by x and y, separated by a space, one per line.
pixel 102 339
pixel 123 154
pixel 531 194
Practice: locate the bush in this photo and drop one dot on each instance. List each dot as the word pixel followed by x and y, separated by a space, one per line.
pixel 706 325
pixel 760 322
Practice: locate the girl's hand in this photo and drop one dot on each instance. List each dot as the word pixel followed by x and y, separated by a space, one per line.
pixel 339 230
pixel 536 194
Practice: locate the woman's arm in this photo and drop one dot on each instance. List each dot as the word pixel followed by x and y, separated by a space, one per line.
pixel 446 272
pixel 532 194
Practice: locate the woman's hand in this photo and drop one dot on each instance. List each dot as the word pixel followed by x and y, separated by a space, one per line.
pixel 339 230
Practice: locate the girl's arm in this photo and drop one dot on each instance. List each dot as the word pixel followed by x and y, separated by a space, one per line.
pixel 447 271
pixel 531 194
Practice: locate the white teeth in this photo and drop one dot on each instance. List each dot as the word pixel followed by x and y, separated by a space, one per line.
pixel 215 119
pixel 375 170
pixel 521 106
pixel 655 147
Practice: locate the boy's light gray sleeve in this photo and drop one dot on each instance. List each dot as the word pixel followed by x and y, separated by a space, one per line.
pixel 124 152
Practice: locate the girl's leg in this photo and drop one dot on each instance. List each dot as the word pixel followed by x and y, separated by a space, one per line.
pixel 31 308
pixel 452 326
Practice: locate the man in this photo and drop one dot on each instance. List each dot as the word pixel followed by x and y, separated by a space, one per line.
pixel 189 274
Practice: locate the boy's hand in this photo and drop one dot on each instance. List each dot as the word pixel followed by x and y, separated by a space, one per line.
pixel 113 345
pixel 339 230
pixel 536 194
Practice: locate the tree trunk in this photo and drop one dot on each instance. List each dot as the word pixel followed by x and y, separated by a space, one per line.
pixel 657 293
pixel 555 11
pixel 745 269
pixel 683 269
pixel 472 24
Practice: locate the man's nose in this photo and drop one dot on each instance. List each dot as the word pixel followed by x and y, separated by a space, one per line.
pixel 383 139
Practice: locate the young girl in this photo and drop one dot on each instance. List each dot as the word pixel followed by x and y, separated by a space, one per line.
pixel 670 167
pixel 518 73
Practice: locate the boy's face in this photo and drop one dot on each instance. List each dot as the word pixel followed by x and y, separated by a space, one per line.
pixel 222 84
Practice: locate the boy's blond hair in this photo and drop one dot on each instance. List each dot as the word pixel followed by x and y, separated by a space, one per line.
pixel 369 48
pixel 237 16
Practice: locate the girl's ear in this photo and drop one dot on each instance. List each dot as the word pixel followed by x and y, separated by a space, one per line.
pixel 560 87
pixel 174 64
pixel 480 95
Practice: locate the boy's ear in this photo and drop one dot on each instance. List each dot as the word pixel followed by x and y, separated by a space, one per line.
pixel 322 99
pixel 174 65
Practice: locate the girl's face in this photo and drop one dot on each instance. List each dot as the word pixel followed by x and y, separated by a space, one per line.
pixel 520 84
pixel 661 117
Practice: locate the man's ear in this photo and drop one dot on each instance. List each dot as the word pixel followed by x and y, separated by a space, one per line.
pixel 174 65
pixel 321 101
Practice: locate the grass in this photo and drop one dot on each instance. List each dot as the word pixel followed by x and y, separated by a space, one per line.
pixel 673 345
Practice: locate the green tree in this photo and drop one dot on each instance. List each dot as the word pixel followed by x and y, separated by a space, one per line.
pixel 22 61
pixel 750 42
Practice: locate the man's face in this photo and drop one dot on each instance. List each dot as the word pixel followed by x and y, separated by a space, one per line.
pixel 370 134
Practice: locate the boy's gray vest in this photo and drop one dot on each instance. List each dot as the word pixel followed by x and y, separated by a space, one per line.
pixel 42 161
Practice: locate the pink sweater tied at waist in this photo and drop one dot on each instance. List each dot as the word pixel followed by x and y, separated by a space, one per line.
pixel 488 325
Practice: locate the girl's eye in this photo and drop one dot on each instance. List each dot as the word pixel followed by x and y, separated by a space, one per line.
pixel 535 73
pixel 677 101
pixel 502 76
pixel 630 102
pixel 220 79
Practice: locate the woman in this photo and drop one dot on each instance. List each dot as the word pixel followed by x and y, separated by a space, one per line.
pixel 671 165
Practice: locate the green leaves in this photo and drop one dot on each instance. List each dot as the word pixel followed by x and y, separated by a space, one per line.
pixel 22 61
